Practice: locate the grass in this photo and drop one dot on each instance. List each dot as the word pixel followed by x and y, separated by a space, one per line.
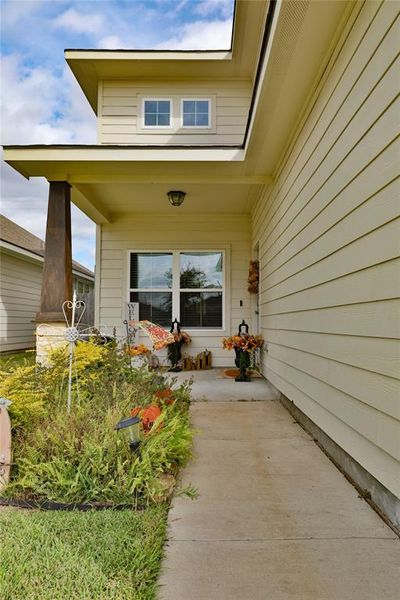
pixel 17 359
pixel 81 555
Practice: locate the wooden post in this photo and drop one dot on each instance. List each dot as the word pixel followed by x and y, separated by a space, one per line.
pixel 57 268
pixel 57 272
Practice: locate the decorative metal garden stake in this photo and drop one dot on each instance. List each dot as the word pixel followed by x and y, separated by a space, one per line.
pixel 72 335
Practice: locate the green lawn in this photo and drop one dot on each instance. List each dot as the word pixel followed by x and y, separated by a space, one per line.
pixel 96 555
pixel 17 359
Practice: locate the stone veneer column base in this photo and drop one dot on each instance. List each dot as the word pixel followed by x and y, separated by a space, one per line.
pixel 49 336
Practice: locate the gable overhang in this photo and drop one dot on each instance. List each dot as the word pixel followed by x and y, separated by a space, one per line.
pixel 238 62
pixel 294 49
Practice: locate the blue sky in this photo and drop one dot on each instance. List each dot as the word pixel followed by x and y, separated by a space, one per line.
pixel 41 101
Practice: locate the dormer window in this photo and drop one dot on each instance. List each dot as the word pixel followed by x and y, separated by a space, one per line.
pixel 157 112
pixel 196 112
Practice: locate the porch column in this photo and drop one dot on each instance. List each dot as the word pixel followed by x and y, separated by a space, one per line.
pixel 57 271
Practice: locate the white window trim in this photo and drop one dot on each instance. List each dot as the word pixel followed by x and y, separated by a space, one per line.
pixel 196 127
pixel 209 332
pixel 171 113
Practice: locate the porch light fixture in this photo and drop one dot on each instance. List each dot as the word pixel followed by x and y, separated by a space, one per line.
pixel 130 428
pixel 176 197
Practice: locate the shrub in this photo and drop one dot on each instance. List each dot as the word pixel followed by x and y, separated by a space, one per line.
pixel 80 457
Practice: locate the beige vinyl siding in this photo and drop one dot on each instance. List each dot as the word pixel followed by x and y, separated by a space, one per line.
pixel 19 302
pixel 329 242
pixel 118 112
pixel 197 232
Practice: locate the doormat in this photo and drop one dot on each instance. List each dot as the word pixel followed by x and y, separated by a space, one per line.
pixel 232 373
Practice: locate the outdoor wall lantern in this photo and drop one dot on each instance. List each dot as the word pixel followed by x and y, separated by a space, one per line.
pixel 130 428
pixel 176 197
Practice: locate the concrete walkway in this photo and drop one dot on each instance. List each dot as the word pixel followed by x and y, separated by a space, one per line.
pixel 274 520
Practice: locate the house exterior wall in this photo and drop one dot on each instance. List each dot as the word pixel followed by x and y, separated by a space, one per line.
pixel 119 107
pixel 195 232
pixel 328 234
pixel 19 302
pixel 20 285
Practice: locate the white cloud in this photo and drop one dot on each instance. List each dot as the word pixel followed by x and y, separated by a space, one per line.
pixel 41 107
pixel 112 42
pixel 77 22
pixel 207 7
pixel 201 35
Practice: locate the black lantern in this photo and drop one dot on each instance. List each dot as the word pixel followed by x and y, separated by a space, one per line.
pixel 176 197
pixel 130 428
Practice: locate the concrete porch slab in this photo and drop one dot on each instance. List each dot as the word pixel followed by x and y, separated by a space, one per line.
pixel 212 386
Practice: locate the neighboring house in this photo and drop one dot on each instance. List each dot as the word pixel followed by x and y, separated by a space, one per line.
pixel 21 266
pixel 287 147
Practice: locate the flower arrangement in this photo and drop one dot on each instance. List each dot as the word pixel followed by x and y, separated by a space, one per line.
pixel 139 350
pixel 245 342
pixel 174 349
pixel 182 336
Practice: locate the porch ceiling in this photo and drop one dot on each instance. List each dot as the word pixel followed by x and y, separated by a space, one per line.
pixel 116 199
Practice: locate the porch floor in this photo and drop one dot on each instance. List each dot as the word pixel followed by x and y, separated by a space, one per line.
pixel 274 518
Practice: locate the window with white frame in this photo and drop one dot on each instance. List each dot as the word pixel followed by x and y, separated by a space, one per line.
pixel 196 112
pixel 157 112
pixel 188 286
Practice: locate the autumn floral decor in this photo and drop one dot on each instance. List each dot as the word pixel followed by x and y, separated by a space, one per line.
pixel 174 349
pixel 139 350
pixel 244 344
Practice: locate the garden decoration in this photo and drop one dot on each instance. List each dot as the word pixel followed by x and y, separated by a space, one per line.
pixel 130 428
pixel 244 345
pixel 73 334
pixel 5 442
pixel 174 348
pixel 156 333
pixel 254 277
pixel 147 415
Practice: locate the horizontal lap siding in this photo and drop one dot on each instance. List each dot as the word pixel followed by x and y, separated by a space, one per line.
pixel 117 123
pixel 20 298
pixel 190 233
pixel 329 244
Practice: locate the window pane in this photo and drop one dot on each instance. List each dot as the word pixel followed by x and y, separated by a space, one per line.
pixel 201 270
pixel 202 119
pixel 163 106
pixel 201 309
pixel 151 270
pixel 189 120
pixel 154 306
pixel 150 119
pixel 150 106
pixel 202 106
pixel 189 106
pixel 163 119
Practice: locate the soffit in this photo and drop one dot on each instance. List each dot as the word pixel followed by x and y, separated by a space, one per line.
pixel 118 199
pixel 238 63
pixel 305 36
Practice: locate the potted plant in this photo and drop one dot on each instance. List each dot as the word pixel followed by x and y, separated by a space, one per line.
pixel 244 345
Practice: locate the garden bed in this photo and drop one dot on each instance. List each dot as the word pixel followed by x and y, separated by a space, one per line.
pixel 78 460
